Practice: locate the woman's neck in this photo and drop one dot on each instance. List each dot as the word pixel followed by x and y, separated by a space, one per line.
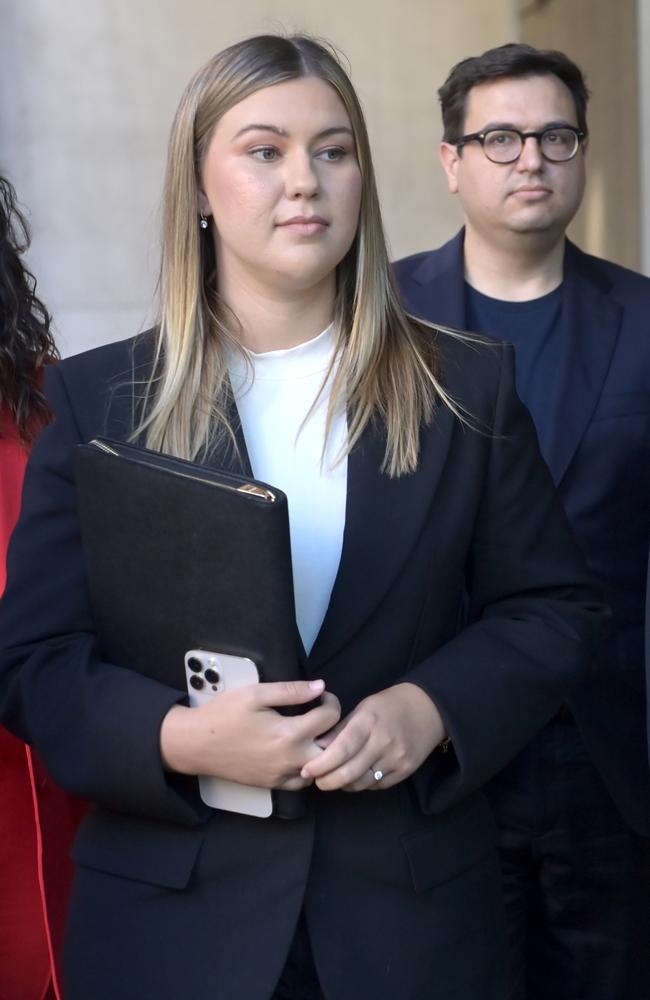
pixel 272 319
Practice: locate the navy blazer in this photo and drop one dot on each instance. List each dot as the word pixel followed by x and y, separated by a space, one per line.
pixel 401 888
pixel 596 443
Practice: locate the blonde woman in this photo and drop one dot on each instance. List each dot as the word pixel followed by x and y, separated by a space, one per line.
pixel 439 597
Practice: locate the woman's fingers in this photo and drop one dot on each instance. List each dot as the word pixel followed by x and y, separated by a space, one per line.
pixel 321 719
pixel 339 761
pixel 312 722
pixel 293 784
pixel 326 738
pixel 280 693
pixel 382 742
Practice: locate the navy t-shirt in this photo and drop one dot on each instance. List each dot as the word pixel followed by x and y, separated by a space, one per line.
pixel 533 328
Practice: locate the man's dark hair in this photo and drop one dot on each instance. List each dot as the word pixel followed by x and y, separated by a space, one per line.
pixel 25 339
pixel 511 60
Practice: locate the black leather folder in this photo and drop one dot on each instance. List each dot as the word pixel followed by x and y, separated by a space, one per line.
pixel 179 556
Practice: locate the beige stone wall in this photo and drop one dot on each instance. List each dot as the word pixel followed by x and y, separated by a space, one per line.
pixel 88 88
pixel 601 36
pixel 87 91
pixel 643 50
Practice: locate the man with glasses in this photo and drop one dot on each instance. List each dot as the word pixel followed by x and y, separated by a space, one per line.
pixel 573 810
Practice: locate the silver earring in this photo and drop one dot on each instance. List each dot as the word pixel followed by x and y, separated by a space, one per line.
pixel 204 222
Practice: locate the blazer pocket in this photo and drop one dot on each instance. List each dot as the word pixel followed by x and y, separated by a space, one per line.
pixel 452 846
pixel 622 404
pixel 136 848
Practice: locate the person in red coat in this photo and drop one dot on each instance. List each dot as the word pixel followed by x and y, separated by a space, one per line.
pixel 37 819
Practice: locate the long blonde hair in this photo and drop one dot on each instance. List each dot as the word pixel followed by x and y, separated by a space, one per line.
pixel 387 367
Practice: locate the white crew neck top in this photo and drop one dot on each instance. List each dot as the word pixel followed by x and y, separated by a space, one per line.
pixel 273 401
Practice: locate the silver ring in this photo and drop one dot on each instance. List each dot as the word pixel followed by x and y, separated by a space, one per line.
pixel 378 774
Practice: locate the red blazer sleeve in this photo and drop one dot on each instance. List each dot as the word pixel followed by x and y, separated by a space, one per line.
pixel 13 459
pixel 38 818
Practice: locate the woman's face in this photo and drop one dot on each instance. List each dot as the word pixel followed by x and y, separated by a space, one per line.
pixel 282 182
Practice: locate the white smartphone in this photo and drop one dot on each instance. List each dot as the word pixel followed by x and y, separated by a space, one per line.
pixel 209 674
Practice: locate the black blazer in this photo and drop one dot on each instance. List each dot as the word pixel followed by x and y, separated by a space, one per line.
pixel 596 444
pixel 401 889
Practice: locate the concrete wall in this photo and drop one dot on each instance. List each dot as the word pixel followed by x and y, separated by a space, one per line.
pixel 88 89
pixel 644 127
pixel 601 36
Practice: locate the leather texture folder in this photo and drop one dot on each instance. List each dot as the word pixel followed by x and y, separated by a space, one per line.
pixel 180 556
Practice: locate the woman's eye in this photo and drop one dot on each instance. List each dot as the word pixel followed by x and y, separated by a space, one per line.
pixel 265 153
pixel 332 153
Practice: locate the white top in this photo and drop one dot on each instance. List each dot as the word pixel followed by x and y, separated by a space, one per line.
pixel 272 407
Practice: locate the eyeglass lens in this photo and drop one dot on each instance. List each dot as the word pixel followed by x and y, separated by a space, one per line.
pixel 505 146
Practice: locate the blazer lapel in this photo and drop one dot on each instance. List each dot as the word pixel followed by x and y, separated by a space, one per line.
pixel 437 286
pixel 590 325
pixel 383 518
pixel 126 399
pixel 227 456
pixel 382 522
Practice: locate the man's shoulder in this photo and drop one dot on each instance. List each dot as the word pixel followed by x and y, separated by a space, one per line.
pixel 621 282
pixel 428 264
pixel 406 266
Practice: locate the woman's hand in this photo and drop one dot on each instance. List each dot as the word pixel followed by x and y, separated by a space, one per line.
pixel 239 735
pixel 391 732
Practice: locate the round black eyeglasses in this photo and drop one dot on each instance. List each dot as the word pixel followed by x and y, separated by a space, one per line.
pixel 505 145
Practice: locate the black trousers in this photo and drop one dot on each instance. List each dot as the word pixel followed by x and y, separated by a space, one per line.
pixel 576 879
pixel 299 979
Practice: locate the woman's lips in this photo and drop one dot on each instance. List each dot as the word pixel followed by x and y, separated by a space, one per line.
pixel 304 225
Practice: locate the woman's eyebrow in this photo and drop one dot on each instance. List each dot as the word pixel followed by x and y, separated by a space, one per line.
pixel 260 127
pixel 335 130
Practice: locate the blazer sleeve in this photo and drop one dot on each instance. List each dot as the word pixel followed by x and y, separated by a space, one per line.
pixel 533 617
pixel 95 724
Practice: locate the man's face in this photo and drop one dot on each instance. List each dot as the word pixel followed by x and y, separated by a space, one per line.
pixel 530 195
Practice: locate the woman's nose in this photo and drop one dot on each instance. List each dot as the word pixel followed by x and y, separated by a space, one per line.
pixel 301 178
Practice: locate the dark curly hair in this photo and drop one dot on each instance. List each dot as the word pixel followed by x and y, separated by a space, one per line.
pixel 26 342
pixel 511 60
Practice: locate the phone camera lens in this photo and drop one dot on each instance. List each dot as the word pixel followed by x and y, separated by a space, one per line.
pixel 195 664
pixel 211 676
pixel 196 682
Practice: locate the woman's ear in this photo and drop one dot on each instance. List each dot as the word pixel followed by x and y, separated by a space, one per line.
pixel 204 204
